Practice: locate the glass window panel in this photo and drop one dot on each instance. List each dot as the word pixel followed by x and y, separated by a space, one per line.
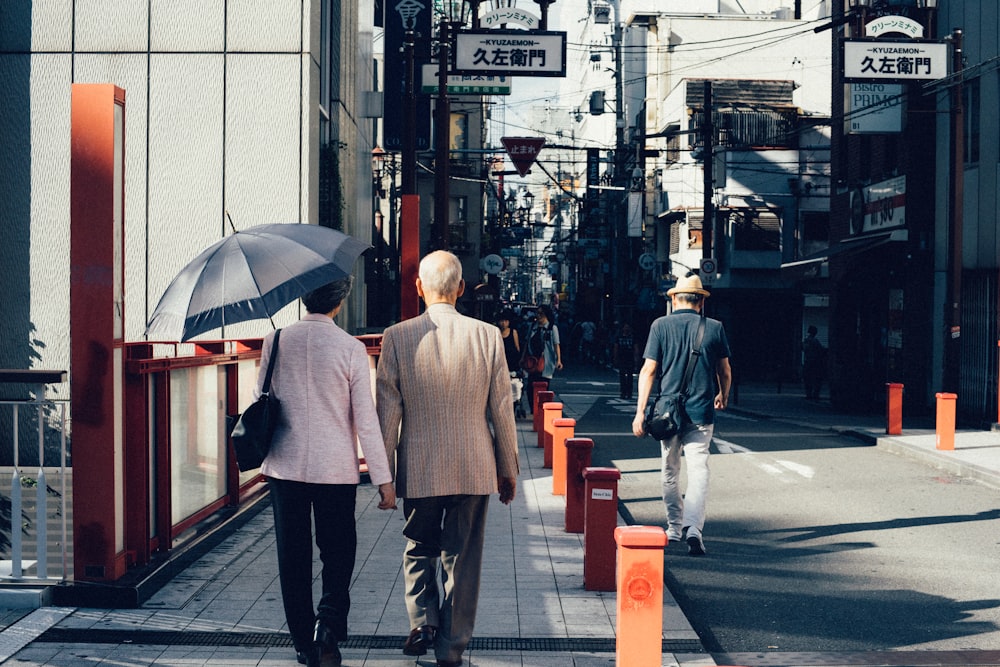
pixel 197 442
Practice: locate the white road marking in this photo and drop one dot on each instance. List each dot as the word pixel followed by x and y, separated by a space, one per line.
pixel 776 467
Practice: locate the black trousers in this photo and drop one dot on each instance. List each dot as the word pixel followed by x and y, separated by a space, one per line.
pixel 295 505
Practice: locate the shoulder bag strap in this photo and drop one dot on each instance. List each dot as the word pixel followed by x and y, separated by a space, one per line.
pixel 266 389
pixel 695 352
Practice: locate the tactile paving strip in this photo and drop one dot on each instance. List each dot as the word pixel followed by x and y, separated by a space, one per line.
pixel 269 639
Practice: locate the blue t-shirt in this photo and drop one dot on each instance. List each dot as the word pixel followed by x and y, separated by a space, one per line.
pixel 669 344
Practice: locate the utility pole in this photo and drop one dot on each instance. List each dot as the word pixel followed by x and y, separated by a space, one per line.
pixel 618 217
pixel 956 186
pixel 708 154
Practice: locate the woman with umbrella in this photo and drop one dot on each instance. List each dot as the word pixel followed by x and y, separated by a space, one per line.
pixel 323 383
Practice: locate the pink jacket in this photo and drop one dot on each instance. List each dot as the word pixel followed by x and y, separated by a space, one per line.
pixel 324 384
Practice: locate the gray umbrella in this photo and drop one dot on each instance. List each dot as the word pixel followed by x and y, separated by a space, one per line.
pixel 251 275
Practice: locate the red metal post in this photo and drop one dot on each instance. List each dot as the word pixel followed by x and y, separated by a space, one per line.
pixel 893 408
pixel 562 430
pixel 550 412
pixel 578 452
pixel 97 199
pixel 639 614
pixel 409 257
pixel 538 414
pixel 945 422
pixel 600 518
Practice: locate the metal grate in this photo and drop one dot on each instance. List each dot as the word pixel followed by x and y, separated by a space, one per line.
pixel 271 639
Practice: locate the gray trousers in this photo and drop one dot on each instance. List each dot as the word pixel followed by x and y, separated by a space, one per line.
pixel 445 536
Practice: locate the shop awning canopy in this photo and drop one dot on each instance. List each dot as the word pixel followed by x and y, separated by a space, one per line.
pixel 809 266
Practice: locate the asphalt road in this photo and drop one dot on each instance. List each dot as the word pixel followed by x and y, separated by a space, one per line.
pixel 817 542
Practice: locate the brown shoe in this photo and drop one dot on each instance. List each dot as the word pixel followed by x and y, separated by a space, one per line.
pixel 419 640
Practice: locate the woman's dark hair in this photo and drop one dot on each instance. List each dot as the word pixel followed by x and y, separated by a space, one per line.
pixel 324 299
pixel 545 310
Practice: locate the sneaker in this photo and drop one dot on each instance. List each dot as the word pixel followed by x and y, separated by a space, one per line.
pixel 695 546
pixel 673 538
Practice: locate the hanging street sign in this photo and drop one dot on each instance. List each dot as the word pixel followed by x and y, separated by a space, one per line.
pixel 465 84
pixel 510 52
pixel 523 151
pixel 910 60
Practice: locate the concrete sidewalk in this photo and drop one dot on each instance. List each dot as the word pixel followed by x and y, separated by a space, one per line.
pixel 225 609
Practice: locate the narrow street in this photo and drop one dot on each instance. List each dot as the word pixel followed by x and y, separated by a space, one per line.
pixel 818 543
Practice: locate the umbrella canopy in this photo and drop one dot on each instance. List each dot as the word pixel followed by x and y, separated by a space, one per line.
pixel 251 275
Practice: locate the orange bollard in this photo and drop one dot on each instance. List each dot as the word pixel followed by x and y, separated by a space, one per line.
pixel 945 424
pixel 893 408
pixel 639 619
pixel 550 412
pixel 536 403
pixel 562 430
pixel 600 518
pixel 541 398
pixel 578 452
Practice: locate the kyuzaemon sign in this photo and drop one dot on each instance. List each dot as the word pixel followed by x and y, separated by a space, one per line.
pixel 909 60
pixel 510 52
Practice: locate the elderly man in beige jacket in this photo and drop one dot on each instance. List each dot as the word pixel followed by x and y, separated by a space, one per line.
pixel 443 400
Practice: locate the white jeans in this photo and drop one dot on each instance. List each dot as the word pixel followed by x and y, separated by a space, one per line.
pixel 687 510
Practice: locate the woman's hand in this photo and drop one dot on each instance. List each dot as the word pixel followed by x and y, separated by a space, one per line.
pixel 387 492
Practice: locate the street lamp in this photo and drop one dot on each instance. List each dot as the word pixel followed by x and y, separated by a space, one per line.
pixel 453 15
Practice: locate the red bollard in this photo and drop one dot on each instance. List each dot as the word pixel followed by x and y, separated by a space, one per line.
pixel 541 398
pixel 578 452
pixel 945 423
pixel 562 430
pixel 536 403
pixel 639 617
pixel 600 518
pixel 550 412
pixel 893 408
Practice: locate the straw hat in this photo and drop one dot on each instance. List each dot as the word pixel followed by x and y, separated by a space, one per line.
pixel 688 285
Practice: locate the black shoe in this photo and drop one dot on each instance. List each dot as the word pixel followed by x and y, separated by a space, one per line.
pixel 419 641
pixel 325 649
pixel 695 546
pixel 302 657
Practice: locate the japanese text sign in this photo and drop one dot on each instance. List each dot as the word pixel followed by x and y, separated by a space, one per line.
pixel 911 60
pixel 510 52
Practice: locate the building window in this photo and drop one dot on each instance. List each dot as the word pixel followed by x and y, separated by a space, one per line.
pixel 815 232
pixel 970 102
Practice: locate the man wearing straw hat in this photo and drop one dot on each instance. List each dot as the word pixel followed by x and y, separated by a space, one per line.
pixel 668 350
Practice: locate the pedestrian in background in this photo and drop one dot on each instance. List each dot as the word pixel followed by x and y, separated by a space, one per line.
pixel 813 364
pixel 543 341
pixel 512 352
pixel 668 348
pixel 625 353
pixel 323 382
pixel 443 396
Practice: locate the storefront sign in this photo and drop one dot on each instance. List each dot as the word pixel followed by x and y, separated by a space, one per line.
pixel 879 207
pixel 510 52
pixel 467 84
pixel 867 60
pixel 873 108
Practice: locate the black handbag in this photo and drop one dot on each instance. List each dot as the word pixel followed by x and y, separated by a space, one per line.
pixel 251 436
pixel 665 414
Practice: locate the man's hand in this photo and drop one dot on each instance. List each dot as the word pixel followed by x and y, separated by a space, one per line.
pixel 637 425
pixel 508 489
pixel 721 401
pixel 387 492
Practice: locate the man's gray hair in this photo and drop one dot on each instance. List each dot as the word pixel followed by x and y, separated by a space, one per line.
pixel 688 297
pixel 440 273
pixel 324 299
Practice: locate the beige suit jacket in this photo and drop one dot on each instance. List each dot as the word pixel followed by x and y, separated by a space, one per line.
pixel 444 402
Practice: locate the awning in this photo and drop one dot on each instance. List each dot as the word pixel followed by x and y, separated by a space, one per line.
pixel 810 265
